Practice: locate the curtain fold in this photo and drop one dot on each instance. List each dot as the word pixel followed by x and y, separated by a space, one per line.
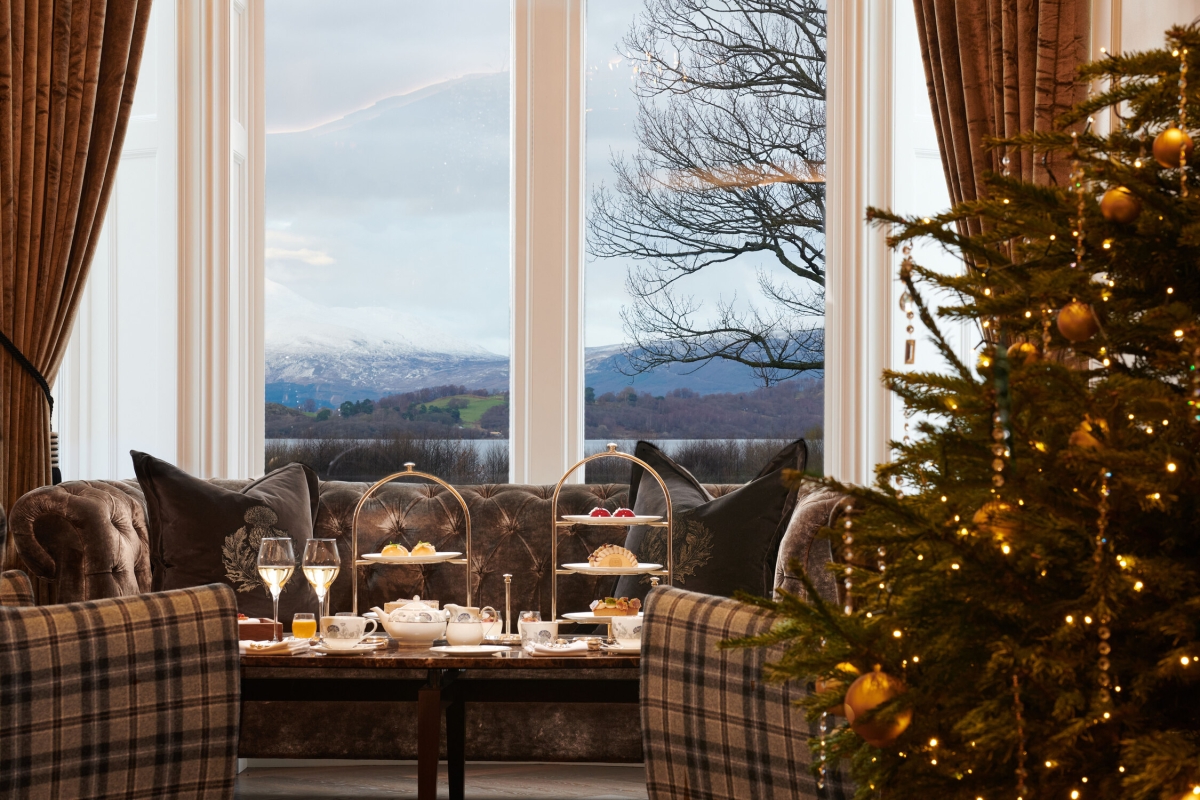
pixel 997 68
pixel 68 69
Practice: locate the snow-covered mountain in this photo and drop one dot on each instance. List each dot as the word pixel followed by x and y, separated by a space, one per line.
pixel 334 353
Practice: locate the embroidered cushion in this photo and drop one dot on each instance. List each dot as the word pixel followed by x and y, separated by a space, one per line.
pixel 721 545
pixel 202 533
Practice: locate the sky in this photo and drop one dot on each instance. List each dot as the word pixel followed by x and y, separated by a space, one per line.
pixel 388 165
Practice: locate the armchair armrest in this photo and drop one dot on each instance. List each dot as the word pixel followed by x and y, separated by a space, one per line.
pixel 125 697
pixel 15 588
pixel 711 726
pixel 88 538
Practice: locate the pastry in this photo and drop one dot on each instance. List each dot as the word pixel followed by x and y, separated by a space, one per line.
pixel 611 555
pixel 599 512
pixel 423 549
pixel 624 512
pixel 393 550
pixel 616 607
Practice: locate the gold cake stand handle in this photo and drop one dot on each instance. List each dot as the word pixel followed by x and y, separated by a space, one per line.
pixel 410 471
pixel 610 452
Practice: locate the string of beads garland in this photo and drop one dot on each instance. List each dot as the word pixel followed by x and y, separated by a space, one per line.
pixel 1173 147
pixel 1076 321
pixel 1019 711
pixel 823 727
pixel 847 541
pixel 1104 648
pixel 1183 151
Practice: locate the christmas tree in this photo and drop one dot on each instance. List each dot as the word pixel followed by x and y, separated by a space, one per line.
pixel 1023 581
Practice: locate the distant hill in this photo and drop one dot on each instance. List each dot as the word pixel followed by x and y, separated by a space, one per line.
pixel 333 355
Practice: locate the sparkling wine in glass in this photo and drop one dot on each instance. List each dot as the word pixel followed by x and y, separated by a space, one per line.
pixel 276 563
pixel 321 566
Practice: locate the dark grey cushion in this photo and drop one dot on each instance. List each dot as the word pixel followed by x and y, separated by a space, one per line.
pixel 721 545
pixel 202 533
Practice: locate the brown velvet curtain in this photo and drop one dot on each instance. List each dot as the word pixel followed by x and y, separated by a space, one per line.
pixel 997 68
pixel 67 74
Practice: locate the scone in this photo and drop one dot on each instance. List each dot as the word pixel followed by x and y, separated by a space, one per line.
pixel 611 555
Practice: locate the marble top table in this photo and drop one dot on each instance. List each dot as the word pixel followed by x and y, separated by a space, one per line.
pixel 436 681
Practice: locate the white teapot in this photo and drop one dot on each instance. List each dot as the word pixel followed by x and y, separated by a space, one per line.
pixel 414 623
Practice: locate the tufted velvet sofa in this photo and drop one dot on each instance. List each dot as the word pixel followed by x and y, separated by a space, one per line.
pixel 87 540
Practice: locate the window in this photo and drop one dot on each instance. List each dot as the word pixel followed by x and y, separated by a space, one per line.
pixel 387 237
pixel 705 169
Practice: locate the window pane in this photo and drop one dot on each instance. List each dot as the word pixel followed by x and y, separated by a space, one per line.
pixel 706 197
pixel 387 253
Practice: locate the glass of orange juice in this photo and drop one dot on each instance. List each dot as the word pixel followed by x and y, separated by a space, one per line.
pixel 304 626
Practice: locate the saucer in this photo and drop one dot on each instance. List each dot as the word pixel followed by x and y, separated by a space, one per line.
pixel 358 650
pixel 469 649
pixel 504 638
pixel 621 650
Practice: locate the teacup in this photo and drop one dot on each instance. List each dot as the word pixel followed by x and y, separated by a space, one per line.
pixel 345 633
pixel 539 632
pixel 627 630
pixel 469 632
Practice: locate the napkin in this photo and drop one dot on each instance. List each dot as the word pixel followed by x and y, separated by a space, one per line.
pixel 578 647
pixel 288 647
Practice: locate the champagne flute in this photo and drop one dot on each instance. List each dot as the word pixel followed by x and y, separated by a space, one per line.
pixel 321 566
pixel 276 563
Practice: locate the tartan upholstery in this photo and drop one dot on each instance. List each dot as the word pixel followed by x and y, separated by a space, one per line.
pixel 15 589
pixel 130 697
pixel 711 727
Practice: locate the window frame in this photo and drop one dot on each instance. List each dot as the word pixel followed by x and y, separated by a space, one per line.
pixel 219 382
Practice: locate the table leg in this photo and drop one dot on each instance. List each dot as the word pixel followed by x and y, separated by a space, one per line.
pixel 429 734
pixel 456 744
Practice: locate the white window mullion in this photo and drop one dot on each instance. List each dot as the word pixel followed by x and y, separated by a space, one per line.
pixel 220 254
pixel 859 174
pixel 546 432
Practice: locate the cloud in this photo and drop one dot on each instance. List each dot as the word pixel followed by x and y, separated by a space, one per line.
pixel 316 258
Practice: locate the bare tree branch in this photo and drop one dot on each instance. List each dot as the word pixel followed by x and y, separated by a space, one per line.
pixel 730 162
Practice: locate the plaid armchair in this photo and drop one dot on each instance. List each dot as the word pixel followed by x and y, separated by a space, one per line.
pixel 711 727
pixel 130 697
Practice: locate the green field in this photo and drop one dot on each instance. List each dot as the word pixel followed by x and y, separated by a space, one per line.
pixel 475 405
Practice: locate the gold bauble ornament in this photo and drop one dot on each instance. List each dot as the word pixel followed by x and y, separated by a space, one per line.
pixel 1120 205
pixel 866 694
pixel 1023 353
pixel 1077 322
pixel 995 518
pixel 1082 437
pixel 984 361
pixel 1168 144
pixel 833 685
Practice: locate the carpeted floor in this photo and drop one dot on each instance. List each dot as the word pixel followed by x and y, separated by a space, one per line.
pixel 484 782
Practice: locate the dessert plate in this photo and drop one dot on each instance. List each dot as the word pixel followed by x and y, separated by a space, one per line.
pixel 359 649
pixel 587 617
pixel 584 519
pixel 469 649
pixel 434 559
pixel 585 568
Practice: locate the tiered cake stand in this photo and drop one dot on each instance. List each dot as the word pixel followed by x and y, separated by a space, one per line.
pixel 410 471
pixel 562 569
